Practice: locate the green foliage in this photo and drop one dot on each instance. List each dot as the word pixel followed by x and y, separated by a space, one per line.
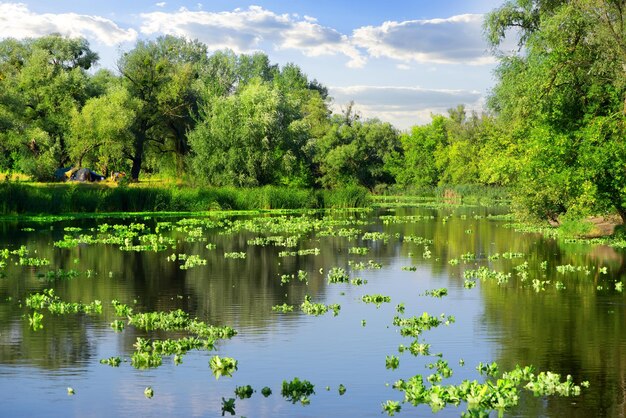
pixel 297 390
pixel 20 198
pixel 353 152
pixel 225 366
pixel 563 99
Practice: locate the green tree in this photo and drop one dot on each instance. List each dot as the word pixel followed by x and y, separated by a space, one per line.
pixel 162 76
pixel 42 81
pixel 565 99
pixel 353 152
pixel 101 132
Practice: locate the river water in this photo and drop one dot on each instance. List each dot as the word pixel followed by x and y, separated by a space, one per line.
pixel 568 320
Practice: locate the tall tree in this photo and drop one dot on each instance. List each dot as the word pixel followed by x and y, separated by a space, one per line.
pixel 42 81
pixel 565 98
pixel 161 75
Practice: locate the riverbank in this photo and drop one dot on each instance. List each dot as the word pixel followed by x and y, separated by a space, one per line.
pixel 31 199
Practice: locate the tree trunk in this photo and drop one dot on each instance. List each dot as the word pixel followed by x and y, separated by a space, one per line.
pixel 138 157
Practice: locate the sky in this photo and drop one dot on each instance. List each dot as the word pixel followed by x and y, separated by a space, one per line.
pixel 398 60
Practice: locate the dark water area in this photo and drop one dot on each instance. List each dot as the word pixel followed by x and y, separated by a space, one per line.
pixel 569 320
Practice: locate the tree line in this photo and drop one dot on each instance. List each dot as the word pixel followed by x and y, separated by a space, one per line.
pixel 553 132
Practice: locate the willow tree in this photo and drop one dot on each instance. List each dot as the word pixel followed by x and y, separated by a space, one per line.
pixel 161 76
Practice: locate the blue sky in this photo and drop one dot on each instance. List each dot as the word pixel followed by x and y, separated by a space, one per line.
pixel 399 61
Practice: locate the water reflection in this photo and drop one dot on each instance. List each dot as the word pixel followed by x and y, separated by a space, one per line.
pixel 579 330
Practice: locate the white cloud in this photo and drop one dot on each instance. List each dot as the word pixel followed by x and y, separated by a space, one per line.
pixel 17 21
pixel 160 4
pixel 403 106
pixel 455 40
pixel 252 29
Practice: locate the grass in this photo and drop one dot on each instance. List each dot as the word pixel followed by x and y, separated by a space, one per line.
pixel 23 198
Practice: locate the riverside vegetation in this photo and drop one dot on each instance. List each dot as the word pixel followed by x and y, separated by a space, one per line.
pixel 551 138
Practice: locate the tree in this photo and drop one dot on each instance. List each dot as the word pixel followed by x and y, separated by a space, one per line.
pixel 42 81
pixel 353 152
pixel 565 98
pixel 240 140
pixel 161 75
pixel 101 132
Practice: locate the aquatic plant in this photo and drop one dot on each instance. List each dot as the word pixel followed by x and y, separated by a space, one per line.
pixel 376 299
pixel 317 309
pixel 244 392
pixel 148 392
pixel 111 361
pixel 481 398
pixel 391 407
pixel 437 293
pixel 34 321
pixel 415 325
pixel 341 389
pixel 358 250
pixel 70 391
pixel 337 275
pixel 222 366
pixel 488 369
pixel 357 281
pixel 370 265
pixel 228 405
pixel 392 362
pixel 297 390
pixel 282 308
pixel 266 391
pixel 235 255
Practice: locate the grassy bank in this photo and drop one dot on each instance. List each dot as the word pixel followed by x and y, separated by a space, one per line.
pixel 24 198
pixel 462 193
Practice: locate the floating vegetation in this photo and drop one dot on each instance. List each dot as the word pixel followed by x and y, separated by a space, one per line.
pixel 370 265
pixel 437 293
pixel 409 268
pixel 481 398
pixel 341 389
pixel 282 308
pixel 222 366
pixel 453 261
pixel 376 236
pixel 337 275
pixel 357 281
pixel 487 369
pixel 266 391
pixel 148 392
pixel 111 361
pixel 484 274
pixel 297 391
pixel 376 299
pixel 311 251
pixel 415 325
pixel 317 309
pixel 468 257
pixel 358 250
pixel 235 255
pixel 417 240
pixel 392 362
pixel 391 407
pixel 568 268
pixel 59 274
pixel 70 391
pixel 34 321
pixel 48 300
pixel 301 276
pixel 228 405
pixel 244 392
